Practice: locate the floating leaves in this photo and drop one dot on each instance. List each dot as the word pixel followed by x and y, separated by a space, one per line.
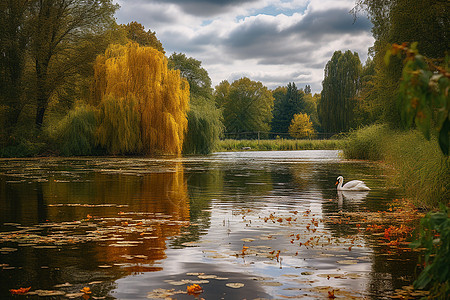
pixel 20 291
pixel 235 285
pixel 194 289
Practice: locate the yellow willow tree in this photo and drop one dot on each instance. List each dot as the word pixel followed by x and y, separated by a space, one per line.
pixel 141 73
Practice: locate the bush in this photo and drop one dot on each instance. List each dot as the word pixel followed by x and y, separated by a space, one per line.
pixel 366 143
pixel 435 239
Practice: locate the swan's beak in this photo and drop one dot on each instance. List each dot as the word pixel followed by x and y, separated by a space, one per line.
pixel 336 183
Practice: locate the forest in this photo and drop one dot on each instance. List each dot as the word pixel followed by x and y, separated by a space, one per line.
pixel 74 82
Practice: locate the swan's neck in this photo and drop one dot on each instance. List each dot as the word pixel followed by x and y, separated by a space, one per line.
pixel 339 187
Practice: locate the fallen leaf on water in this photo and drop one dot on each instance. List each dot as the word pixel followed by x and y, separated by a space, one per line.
pixel 235 285
pixel 194 289
pixel 347 262
pixel 86 290
pixel 331 294
pixel 20 291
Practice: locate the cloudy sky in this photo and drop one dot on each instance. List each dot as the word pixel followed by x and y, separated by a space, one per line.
pixel 272 41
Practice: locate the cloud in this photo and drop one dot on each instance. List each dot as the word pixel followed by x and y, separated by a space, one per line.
pixel 272 41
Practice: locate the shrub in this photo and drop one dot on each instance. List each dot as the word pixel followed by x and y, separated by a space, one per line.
pixel 435 238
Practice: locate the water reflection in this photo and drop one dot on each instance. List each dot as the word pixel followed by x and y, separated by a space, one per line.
pixel 351 196
pixel 139 224
pixel 102 225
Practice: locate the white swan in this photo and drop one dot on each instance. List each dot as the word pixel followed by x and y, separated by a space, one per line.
pixel 354 185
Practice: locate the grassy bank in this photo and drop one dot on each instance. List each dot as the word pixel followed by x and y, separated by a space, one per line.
pixel 279 144
pixel 418 165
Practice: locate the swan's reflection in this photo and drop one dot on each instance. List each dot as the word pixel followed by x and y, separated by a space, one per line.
pixel 352 196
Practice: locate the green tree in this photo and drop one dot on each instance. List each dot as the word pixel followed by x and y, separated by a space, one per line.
pixel 311 109
pixel 340 86
pixel 301 126
pixel 204 119
pixel 13 41
pixel 396 21
pixel 136 32
pixel 248 107
pixel 221 93
pixel 286 106
pixel 61 31
pixel 307 89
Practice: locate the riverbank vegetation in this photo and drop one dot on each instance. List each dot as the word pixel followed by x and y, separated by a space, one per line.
pixel 278 145
pixel 417 164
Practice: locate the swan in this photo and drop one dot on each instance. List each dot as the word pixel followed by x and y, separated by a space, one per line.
pixel 354 185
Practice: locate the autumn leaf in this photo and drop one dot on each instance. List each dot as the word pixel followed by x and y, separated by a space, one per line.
pixel 20 291
pixel 194 289
pixel 86 290
pixel 331 294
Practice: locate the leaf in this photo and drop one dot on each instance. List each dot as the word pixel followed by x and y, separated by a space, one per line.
pixel 20 291
pixel 86 290
pixel 235 285
pixel 444 137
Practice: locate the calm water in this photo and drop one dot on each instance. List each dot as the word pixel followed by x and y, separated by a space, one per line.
pixel 133 228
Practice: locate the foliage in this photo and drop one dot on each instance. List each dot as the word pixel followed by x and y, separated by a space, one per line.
pixel 424 94
pixel 119 129
pixel 204 119
pixel 366 142
pixel 397 21
pixel 221 93
pixel 301 126
pixel 54 26
pixel 418 165
pixel 75 133
pixel 435 238
pixel 340 86
pixel 288 102
pixel 196 76
pixel 136 33
pixel 278 145
pixel 204 129
pixel 311 109
pixel 247 106
pixel 162 95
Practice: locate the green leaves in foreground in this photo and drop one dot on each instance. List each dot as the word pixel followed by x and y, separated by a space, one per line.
pixel 424 93
pixel 435 238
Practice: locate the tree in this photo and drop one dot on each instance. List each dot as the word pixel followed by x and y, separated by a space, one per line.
pixel 307 89
pixel 340 86
pixel 204 119
pixel 221 93
pixel 141 73
pixel 311 109
pixel 426 22
pixel 197 77
pixel 136 33
pixel 248 106
pixel 13 41
pixel 301 126
pixel 285 107
pixel 60 30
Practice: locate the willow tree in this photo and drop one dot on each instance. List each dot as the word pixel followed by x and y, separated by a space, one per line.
pixel 162 96
pixel 340 86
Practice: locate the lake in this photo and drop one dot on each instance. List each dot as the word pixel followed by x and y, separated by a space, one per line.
pixel 241 225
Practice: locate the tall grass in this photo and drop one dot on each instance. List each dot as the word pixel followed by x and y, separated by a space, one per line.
pixel 279 144
pixel 419 167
